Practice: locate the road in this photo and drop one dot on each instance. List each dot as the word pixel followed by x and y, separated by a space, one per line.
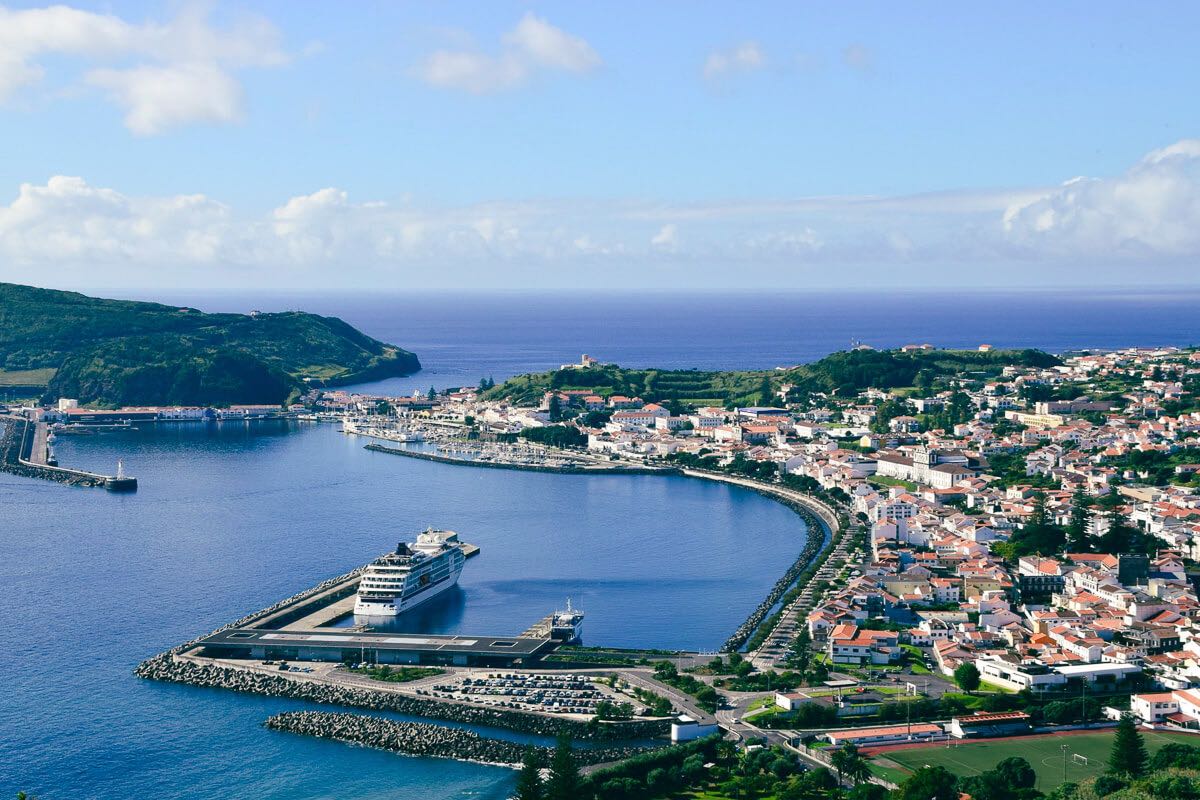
pixel 644 679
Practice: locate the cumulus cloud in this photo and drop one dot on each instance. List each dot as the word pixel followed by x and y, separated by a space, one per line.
pixel 533 45
pixel 1148 218
pixel 1153 210
pixel 746 57
pixel 164 75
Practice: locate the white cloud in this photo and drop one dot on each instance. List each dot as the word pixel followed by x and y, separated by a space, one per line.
pixel 532 45
pixel 746 57
pixel 1153 210
pixel 157 99
pixel 163 75
pixel 1093 229
pixel 667 238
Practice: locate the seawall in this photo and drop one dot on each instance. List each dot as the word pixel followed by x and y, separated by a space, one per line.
pixel 190 671
pixel 176 667
pixel 466 462
pixel 16 439
pixel 423 739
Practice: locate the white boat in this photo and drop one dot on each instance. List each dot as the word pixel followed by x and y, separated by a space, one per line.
pixel 415 573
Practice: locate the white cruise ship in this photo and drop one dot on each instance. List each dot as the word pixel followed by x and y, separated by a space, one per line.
pixel 416 572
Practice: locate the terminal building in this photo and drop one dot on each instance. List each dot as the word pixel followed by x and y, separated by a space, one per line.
pixel 375 648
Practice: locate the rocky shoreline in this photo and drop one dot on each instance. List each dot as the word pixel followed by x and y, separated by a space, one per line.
pixel 423 739
pixel 467 462
pixel 168 667
pixel 811 550
pixel 12 442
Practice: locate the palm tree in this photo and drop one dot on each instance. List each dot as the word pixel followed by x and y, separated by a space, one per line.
pixel 849 763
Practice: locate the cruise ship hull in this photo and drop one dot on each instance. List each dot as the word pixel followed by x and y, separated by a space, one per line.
pixel 395 606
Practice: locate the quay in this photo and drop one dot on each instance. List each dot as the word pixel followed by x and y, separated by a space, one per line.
pixel 302 629
pixel 598 468
pixel 25 450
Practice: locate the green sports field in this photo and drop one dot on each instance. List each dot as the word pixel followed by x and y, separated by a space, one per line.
pixel 1044 753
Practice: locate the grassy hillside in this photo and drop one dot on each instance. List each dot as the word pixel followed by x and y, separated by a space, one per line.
pixel 852 371
pixel 649 384
pixel 845 373
pixel 117 352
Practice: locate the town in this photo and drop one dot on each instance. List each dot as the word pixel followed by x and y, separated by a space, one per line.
pixel 1027 536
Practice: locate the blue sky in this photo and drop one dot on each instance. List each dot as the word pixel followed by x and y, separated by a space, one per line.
pixel 582 144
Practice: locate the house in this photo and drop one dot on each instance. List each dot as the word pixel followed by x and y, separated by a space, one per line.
pixel 1180 708
pixel 789 701
pixel 850 645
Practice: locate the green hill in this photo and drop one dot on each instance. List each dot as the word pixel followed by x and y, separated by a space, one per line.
pixel 121 352
pixel 845 373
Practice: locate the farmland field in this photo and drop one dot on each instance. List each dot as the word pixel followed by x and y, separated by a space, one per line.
pixel 1044 753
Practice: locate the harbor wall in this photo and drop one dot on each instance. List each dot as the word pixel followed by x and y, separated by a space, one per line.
pixel 467 462
pixel 193 672
pixel 423 739
pixel 177 667
pixel 15 444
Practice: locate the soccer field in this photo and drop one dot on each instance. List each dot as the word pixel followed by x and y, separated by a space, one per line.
pixel 1044 753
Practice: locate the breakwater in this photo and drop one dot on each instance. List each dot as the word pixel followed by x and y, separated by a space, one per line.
pixel 423 739
pixel 615 469
pixel 16 439
pixel 17 444
pixel 812 548
pixel 168 667
pixel 172 666
pixel 823 527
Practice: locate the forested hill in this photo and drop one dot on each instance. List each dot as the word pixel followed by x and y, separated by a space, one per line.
pixel 844 373
pixel 121 352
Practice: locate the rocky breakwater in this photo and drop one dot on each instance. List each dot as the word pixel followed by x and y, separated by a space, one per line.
pixel 14 441
pixel 422 739
pixel 812 548
pixel 175 666
pixel 169 667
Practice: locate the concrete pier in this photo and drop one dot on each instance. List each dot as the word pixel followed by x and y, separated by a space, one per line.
pixel 24 450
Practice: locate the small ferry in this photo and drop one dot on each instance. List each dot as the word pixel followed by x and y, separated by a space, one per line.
pixel 416 572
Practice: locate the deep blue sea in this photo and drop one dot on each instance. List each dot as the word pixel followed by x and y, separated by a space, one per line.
pixel 233 517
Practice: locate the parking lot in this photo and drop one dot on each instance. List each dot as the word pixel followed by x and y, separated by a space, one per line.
pixel 556 694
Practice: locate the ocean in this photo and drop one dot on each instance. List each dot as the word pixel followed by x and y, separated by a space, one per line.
pixel 233 517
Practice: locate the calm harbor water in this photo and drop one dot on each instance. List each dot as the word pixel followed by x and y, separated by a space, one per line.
pixel 232 518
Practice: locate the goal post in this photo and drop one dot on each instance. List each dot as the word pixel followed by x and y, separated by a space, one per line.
pixel 1079 758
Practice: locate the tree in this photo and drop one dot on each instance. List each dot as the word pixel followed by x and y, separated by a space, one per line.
pixel 849 763
pixel 1128 756
pixel 529 779
pixel 1176 755
pixel 929 783
pixel 967 676
pixel 1081 516
pixel 555 408
pixel 564 772
pixel 1017 772
pixel 765 395
pixel 431 394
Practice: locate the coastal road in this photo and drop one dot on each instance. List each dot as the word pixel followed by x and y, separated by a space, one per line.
pixel 775 648
pixel 644 679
